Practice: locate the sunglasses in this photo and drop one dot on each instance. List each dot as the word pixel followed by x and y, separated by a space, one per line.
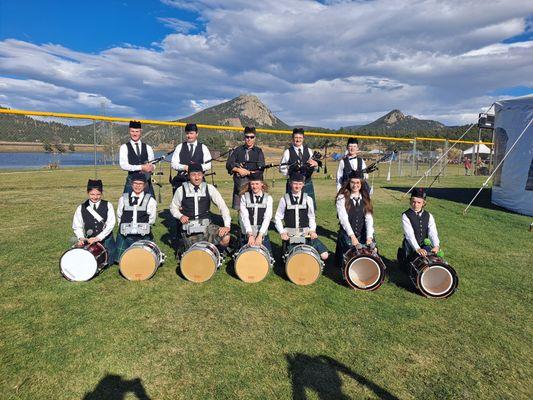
pixel 249 137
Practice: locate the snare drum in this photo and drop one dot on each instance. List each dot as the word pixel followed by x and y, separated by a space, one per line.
pixel 140 261
pixel 303 265
pixel 363 269
pixel 200 262
pixel 433 276
pixel 83 263
pixel 252 263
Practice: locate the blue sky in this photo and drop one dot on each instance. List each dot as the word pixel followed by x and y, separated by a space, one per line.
pixel 329 63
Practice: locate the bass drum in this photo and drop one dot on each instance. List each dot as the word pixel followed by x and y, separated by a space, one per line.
pixel 303 265
pixel 252 263
pixel 363 269
pixel 200 262
pixel 141 260
pixel 433 276
pixel 80 264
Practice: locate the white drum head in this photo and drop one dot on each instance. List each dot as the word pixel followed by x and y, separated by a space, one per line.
pixel 78 265
pixel 436 280
pixel 364 272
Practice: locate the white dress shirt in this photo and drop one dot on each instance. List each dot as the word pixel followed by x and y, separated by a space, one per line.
pixel 78 225
pixel 353 163
pixel 216 198
pixel 151 208
pixel 344 220
pixel 244 216
pixel 410 233
pixel 123 156
pixel 284 169
pixel 176 162
pixel 280 213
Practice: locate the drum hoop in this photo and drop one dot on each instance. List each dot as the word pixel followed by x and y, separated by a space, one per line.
pixel 444 293
pixel 375 284
pixel 97 271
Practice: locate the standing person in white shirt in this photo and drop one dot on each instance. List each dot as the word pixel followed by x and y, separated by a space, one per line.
pixel 296 212
pixel 419 229
pixel 94 220
pixel 136 213
pixel 354 210
pixel 191 205
pixel 190 151
pixel 298 158
pixel 134 156
pixel 256 208
pixel 350 162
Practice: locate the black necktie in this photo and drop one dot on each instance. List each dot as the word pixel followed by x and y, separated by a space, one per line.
pixel 134 200
pixel 196 188
pixel 300 154
pixel 137 148
pixel 191 149
pixel 257 199
pixel 296 199
pixel 94 206
pixel 355 202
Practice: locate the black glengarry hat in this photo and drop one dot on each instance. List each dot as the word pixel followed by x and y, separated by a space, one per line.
pixel 138 176
pixel 418 192
pixel 352 140
pixel 298 131
pixel 95 184
pixel 297 177
pixel 249 129
pixel 356 174
pixel 194 167
pixel 135 124
pixel 255 176
pixel 191 128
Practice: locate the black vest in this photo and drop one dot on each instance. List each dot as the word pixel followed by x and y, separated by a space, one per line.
pixel 290 212
pixel 89 222
pixel 250 199
pixel 185 155
pixel 420 225
pixel 142 212
pixel 348 168
pixel 133 158
pixel 293 157
pixel 356 217
pixel 187 200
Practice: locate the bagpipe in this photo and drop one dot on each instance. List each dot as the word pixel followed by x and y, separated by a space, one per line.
pixel 374 166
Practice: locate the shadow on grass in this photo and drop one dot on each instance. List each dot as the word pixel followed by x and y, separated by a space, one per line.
pixel 170 237
pixel 333 270
pixel 457 195
pixel 114 387
pixel 322 374
pixel 398 275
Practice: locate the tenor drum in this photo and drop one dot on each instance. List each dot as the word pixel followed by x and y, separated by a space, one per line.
pixel 363 269
pixel 141 260
pixel 433 276
pixel 83 263
pixel 200 262
pixel 252 263
pixel 303 265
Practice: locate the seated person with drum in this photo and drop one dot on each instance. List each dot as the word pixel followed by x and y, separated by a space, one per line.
pixel 191 205
pixel 256 208
pixel 420 251
pixel 93 225
pixel 136 213
pixel 354 210
pixel 94 220
pixel 304 253
pixel 419 229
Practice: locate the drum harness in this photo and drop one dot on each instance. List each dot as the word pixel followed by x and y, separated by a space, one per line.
pixel 135 228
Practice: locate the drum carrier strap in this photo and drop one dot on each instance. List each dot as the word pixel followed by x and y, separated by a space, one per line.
pixel 135 228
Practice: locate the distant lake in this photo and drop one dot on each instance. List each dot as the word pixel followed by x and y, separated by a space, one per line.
pixel 28 160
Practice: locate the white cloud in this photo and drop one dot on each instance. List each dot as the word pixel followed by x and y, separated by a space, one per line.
pixel 332 63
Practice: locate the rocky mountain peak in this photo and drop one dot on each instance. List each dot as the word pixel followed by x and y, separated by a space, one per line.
pixel 393 117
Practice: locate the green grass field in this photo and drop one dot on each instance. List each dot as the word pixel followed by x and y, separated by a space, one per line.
pixel 171 339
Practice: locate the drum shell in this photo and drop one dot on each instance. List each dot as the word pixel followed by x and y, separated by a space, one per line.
pixel 195 270
pixel 421 265
pixel 97 251
pixel 352 255
pixel 255 273
pixel 308 275
pixel 140 269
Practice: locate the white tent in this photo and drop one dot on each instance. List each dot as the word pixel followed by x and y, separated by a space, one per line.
pixel 483 149
pixel 513 183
